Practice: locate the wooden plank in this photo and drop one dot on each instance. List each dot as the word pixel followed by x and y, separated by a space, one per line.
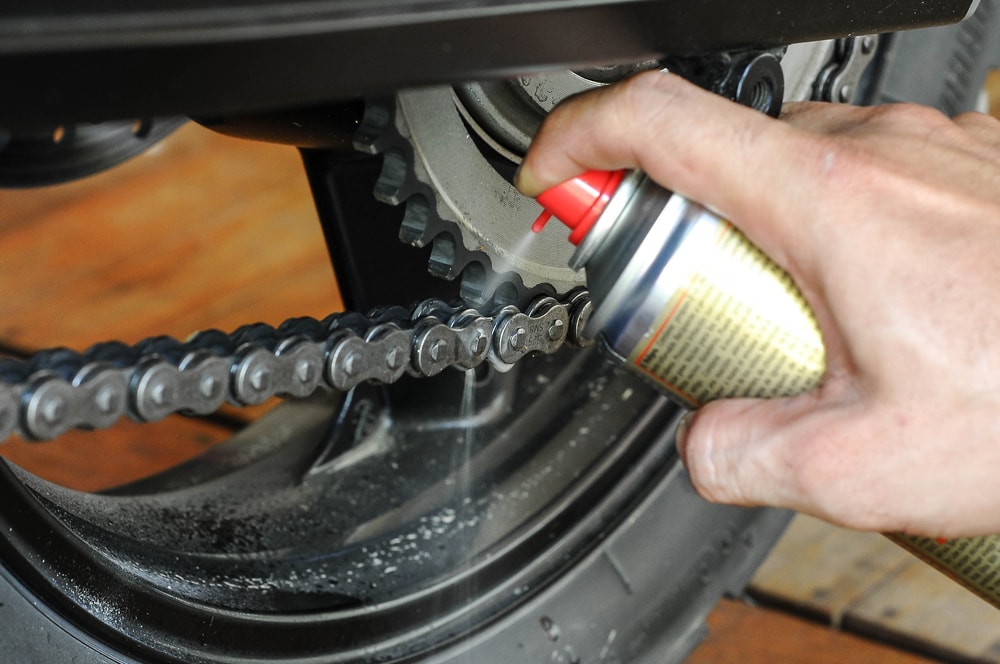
pixel 825 570
pixel 741 634
pixel 927 610
pixel 864 583
pixel 202 231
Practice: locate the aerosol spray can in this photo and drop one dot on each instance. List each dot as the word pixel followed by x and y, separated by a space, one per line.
pixel 687 300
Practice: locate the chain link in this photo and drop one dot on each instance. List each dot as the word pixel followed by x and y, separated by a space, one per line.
pixel 56 390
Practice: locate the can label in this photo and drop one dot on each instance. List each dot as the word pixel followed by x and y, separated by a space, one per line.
pixel 736 326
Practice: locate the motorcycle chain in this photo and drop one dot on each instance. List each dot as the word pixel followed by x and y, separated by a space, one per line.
pixel 59 389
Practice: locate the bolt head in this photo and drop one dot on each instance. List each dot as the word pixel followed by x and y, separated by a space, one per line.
pixel 351 364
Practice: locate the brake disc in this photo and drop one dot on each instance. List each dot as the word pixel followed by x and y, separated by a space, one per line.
pixel 450 154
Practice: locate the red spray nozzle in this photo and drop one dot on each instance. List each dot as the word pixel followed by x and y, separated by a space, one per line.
pixel 578 202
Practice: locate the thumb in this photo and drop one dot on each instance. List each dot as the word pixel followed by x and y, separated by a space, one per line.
pixel 739 451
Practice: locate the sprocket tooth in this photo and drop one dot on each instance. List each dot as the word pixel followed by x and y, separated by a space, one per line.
pixel 393 186
pixel 483 286
pixel 370 136
pixel 473 285
pixel 415 228
pixel 442 263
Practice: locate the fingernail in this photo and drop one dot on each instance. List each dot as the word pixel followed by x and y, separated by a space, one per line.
pixel 681 435
pixel 525 181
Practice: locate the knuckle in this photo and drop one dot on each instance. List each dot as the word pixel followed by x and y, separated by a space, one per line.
pixel 907 116
pixel 818 484
pixel 647 96
pixel 833 488
pixel 976 119
pixel 746 137
pixel 982 132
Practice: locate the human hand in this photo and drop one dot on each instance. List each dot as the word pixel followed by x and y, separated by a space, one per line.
pixel 888 219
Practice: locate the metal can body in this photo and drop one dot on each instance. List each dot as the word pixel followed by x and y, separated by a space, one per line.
pixel 974 562
pixel 688 301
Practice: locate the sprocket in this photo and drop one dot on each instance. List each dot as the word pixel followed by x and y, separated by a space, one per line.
pixel 458 201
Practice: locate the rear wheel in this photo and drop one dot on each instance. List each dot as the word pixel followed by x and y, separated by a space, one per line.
pixel 538 515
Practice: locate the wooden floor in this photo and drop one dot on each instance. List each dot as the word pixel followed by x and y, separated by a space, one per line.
pixel 201 232
pixel 744 634
pixel 206 231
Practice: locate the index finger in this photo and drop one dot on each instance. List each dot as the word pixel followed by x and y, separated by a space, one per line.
pixel 726 156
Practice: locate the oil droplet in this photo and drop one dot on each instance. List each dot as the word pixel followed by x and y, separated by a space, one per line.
pixel 551 629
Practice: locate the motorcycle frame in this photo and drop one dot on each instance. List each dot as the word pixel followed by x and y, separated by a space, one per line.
pixel 94 60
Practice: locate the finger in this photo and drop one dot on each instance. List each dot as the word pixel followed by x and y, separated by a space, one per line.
pixel 801 453
pixel 798 453
pixel 656 121
pixel 733 451
pixel 564 146
pixel 691 141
